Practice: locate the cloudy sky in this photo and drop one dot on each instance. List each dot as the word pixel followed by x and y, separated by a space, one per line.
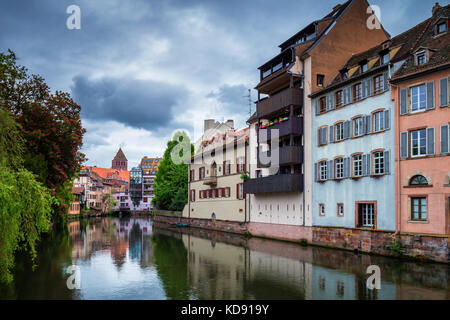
pixel 141 69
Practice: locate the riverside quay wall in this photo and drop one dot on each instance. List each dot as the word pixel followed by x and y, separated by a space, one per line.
pixel 387 243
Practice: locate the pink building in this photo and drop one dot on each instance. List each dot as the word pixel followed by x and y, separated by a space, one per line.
pixel 421 93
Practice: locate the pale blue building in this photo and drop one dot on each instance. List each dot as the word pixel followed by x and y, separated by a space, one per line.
pixel 353 145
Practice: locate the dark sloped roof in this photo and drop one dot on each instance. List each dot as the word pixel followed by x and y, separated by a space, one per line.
pixel 439 46
pixel 120 156
pixel 406 42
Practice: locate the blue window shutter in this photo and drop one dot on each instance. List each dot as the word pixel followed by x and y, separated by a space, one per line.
pixel 404 101
pixel 331 170
pixel 330 101
pixel 347 126
pixel 316 171
pixel 445 137
pixel 430 141
pixel 347 170
pixel 369 164
pixel 387 159
pixel 404 145
pixel 368 124
pixel 364 165
pixel 316 105
pixel 430 95
pixel 387 119
pixel 331 134
pixel 443 93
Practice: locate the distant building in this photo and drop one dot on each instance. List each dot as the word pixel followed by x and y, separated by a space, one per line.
pixel 120 162
pixel 149 168
pixel 75 206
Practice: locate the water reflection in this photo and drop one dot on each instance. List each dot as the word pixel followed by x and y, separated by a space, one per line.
pixel 130 258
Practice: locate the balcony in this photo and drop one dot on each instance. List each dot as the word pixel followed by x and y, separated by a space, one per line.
pixel 210 181
pixel 283 99
pixel 293 125
pixel 274 184
pixel 289 155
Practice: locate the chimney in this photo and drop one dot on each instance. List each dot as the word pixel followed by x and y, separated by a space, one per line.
pixel 230 123
pixel 435 8
pixel 209 124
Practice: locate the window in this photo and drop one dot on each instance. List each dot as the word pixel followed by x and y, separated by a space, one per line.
pixel 240 191
pixel 339 134
pixel 241 165
pixel 364 67
pixel 323 104
pixel 441 28
pixel 339 98
pixel 378 121
pixel 321 210
pixel 418 181
pixel 226 168
pixel 418 98
pixel 340 209
pixel 202 173
pixel 339 168
pixel 357 165
pixel 320 80
pixel 345 74
pixel 378 83
pixel 357 89
pixel 227 192
pixel 418 143
pixel 419 209
pixel 323 170
pixel 385 58
pixel 421 58
pixel 366 214
pixel 378 163
pixel 358 127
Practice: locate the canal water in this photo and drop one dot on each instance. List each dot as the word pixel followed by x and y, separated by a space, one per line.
pixel 132 258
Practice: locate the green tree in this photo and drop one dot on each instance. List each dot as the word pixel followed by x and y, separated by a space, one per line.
pixel 26 204
pixel 51 129
pixel 171 182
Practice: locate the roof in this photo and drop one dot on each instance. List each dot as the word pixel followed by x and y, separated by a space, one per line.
pixel 438 46
pixel 77 190
pixel 120 156
pixel 110 174
pixel 400 47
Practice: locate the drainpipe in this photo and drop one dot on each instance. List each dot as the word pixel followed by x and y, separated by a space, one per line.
pixel 303 137
pixel 398 206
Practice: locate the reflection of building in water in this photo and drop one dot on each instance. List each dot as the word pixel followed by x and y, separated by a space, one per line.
pixel 216 270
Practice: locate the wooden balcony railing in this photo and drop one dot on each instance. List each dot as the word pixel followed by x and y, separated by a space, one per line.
pixel 285 98
pixel 274 184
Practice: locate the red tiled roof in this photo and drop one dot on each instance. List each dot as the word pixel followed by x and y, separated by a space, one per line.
pixel 107 173
pixel 77 190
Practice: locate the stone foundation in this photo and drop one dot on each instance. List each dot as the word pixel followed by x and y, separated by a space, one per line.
pixel 280 232
pixel 386 243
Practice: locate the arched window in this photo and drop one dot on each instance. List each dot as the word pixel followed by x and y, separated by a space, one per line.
pixel 418 181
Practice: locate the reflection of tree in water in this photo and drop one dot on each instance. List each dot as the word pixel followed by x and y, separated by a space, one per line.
pixel 48 280
pixel 170 260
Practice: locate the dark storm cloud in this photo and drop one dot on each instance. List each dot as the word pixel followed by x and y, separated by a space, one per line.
pixel 136 103
pixel 234 98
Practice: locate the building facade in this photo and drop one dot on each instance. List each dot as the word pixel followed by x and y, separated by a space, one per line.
pixel 216 185
pixel 120 162
pixel 281 195
pixel 149 169
pixel 421 93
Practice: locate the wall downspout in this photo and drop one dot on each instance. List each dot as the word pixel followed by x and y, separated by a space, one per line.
pixel 304 103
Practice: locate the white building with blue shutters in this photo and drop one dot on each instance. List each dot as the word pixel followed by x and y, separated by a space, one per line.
pixel 353 145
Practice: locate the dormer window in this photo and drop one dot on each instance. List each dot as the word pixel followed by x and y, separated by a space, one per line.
pixel 364 67
pixel 320 80
pixel 385 58
pixel 344 73
pixel 421 58
pixel 441 27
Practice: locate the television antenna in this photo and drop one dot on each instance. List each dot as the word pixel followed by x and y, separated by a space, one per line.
pixel 249 97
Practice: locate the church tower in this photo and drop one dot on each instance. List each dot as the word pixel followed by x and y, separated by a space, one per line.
pixel 120 162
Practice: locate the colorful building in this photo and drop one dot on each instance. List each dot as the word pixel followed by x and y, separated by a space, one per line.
pixel 353 145
pixel 281 194
pixel 120 162
pixel 216 188
pixel 421 93
pixel 76 205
